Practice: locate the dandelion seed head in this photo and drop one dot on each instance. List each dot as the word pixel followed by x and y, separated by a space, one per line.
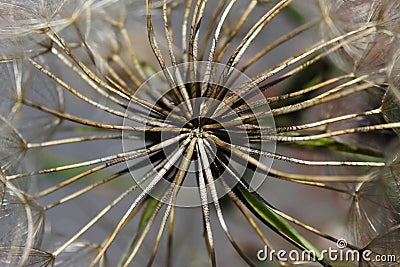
pixel 198 129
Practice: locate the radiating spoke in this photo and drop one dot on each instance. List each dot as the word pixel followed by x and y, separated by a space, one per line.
pixel 206 214
pixel 106 244
pixel 215 198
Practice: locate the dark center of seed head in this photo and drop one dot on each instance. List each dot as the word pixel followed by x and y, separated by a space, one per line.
pixel 196 126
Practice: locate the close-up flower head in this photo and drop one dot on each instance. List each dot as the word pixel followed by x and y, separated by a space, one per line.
pixel 179 133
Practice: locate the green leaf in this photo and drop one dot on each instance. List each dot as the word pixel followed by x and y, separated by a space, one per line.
pixel 278 224
pixel 148 211
pixel 293 14
pixel 353 152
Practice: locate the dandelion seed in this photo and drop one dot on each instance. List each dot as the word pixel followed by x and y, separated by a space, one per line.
pixel 78 253
pixel 386 246
pixel 22 226
pixel 364 222
pixel 367 54
pixel 13 256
